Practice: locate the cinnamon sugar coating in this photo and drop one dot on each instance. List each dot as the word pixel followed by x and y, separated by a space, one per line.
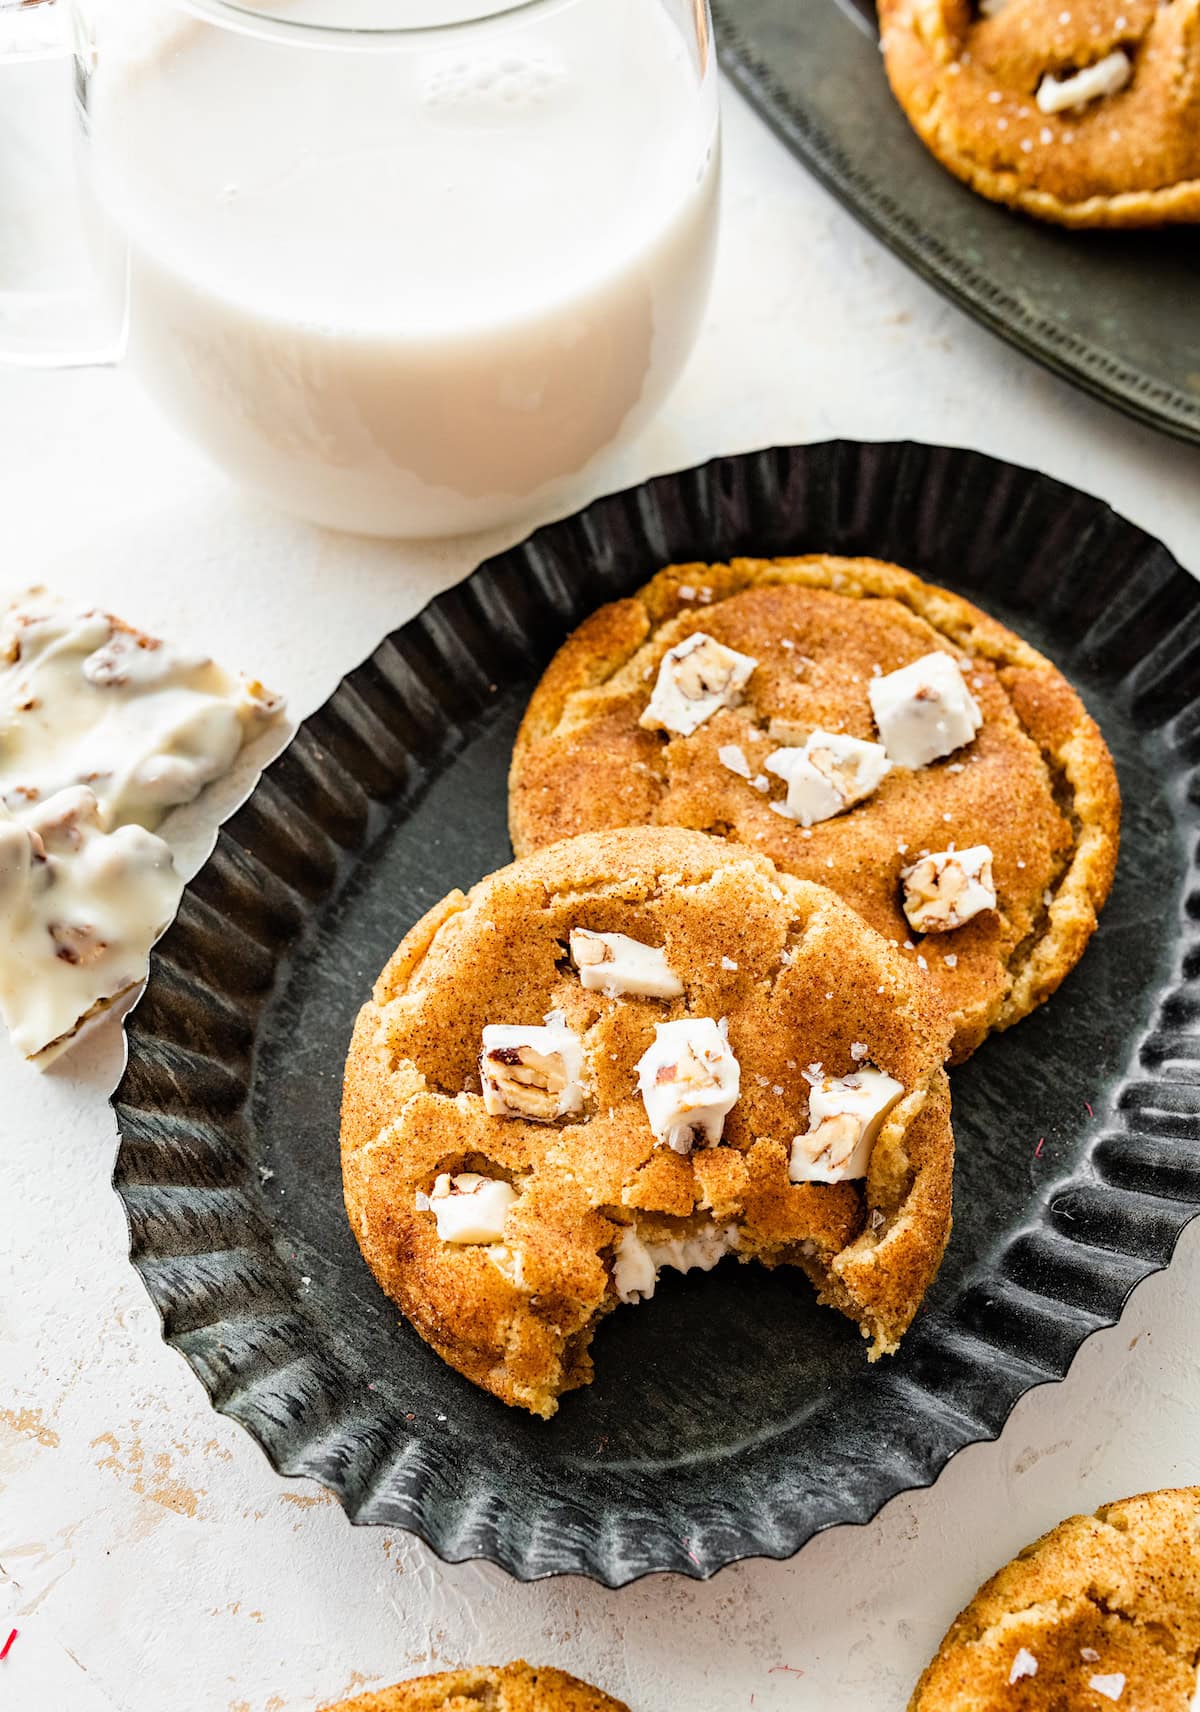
pixel 969 84
pixel 1036 785
pixel 1111 1599
pixel 485 1688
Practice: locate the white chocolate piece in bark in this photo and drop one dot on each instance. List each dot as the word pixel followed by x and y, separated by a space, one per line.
pixel 80 908
pixel 618 966
pixel 532 1073
pixel 86 700
pixel 828 774
pixel 470 1208
pixel 947 888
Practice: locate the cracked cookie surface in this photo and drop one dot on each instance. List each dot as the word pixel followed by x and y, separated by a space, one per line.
pixel 1085 116
pixel 779 970
pixel 1103 1610
pixel 1036 784
pixel 484 1688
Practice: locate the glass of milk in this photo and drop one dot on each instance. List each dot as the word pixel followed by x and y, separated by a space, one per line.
pixel 404 267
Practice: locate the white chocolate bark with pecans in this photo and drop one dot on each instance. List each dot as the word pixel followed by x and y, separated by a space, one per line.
pixel 87 700
pixel 80 908
pixel 103 730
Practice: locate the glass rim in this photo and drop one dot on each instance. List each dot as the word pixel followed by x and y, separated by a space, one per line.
pixel 245 15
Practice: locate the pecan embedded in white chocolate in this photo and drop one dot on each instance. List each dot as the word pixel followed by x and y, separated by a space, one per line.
pixel 845 1115
pixel 87 700
pixel 948 887
pixel 695 678
pixel 828 774
pixel 689 1081
pixel 531 1072
pixel 80 908
pixel 616 965
pixel 470 1208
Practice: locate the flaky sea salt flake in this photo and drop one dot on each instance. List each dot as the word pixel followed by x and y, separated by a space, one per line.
pixel 1024 1664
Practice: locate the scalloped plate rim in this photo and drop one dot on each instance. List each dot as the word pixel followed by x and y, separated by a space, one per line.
pixel 521 1562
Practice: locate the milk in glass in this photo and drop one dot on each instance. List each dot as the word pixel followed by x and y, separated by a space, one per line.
pixel 411 289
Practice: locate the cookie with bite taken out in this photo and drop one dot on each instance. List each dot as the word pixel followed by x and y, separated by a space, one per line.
pixel 637 1050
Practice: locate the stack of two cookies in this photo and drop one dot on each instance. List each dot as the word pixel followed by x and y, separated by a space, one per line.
pixel 791 835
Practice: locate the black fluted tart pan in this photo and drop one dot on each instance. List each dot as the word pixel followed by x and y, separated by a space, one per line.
pixel 731 1416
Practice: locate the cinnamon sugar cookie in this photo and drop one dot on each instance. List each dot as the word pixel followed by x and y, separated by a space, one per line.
pixel 639 1049
pixel 1086 115
pixel 509 1688
pixel 1102 1611
pixel 888 740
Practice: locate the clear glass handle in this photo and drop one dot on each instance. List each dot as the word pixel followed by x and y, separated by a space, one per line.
pixel 52 312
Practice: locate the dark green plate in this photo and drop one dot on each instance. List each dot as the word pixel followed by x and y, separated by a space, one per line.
pixel 1118 313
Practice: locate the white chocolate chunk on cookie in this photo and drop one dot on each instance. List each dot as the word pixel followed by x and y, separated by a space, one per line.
pixel 945 889
pixel 616 965
pixel 634 1271
pixel 689 1081
pixel 696 677
pixel 845 1115
pixel 470 1208
pixel 1105 77
pixel 85 699
pixel 828 775
pixel 924 710
pixel 80 908
pixel 637 1263
pixel 532 1072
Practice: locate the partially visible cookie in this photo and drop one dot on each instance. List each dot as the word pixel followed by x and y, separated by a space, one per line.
pixel 640 1049
pixel 883 722
pixel 1086 115
pixel 1102 1611
pixel 507 1688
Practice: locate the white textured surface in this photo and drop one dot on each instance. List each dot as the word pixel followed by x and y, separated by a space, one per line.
pixel 156 1562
